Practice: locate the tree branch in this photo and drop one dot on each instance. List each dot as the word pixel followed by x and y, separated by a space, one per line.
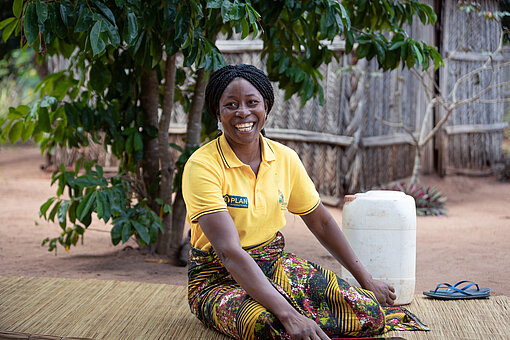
pixel 399 125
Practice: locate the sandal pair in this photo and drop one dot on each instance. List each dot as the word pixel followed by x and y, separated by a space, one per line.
pixel 446 291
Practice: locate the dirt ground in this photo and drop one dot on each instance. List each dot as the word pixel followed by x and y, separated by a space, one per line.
pixel 471 243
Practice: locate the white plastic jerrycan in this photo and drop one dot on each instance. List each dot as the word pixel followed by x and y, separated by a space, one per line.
pixel 380 226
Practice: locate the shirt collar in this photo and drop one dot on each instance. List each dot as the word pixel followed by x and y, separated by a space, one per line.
pixel 229 157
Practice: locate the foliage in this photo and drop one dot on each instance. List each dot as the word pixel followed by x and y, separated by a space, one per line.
pixel 114 46
pixel 429 200
pixel 90 193
pixel 296 34
pixel 18 79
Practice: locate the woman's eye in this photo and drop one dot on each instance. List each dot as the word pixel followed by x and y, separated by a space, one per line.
pixel 231 105
pixel 253 102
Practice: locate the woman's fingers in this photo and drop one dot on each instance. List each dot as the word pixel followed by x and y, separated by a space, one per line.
pixel 299 327
pixel 323 336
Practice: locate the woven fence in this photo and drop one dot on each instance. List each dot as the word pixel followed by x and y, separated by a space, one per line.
pixel 344 144
pixel 472 139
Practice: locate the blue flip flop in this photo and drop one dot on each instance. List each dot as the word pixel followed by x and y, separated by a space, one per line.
pixel 446 291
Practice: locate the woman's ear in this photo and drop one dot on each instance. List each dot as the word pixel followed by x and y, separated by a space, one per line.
pixel 266 105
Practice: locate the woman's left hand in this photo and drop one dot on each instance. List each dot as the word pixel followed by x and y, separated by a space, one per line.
pixel 384 293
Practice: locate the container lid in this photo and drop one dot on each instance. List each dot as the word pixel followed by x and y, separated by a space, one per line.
pixel 349 198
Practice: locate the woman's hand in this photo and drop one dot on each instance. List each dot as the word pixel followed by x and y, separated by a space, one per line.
pixel 299 327
pixel 384 293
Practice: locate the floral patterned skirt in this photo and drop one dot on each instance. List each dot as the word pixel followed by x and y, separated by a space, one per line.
pixel 338 308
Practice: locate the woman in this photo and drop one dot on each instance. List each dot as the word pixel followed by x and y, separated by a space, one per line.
pixel 237 188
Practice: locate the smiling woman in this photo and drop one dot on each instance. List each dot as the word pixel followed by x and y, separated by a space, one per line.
pixel 241 280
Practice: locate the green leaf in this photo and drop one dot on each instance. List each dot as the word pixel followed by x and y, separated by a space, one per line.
pixel 15 131
pixel 84 207
pixel 7 21
pixel 381 53
pixel 100 205
pixel 8 30
pixel 64 14
pixel 48 101
pixel 96 40
pixel 84 20
pixel 100 76
pixel 214 4
pixel 142 232
pixel 237 11
pixel 106 11
pixel 17 9
pixel 126 231
pixel 51 216
pixel 114 37
pixel 167 208
pixel 397 44
pixel 417 54
pixel 245 26
pixel 44 120
pixel 28 130
pixel 62 212
pixel 138 141
pixel 42 11
pixel 176 147
pixel 30 27
pixel 45 206
pixel 129 144
pixel 56 23
pixel 132 28
pixel 72 211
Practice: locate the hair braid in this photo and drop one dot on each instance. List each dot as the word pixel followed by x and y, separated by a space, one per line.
pixel 220 79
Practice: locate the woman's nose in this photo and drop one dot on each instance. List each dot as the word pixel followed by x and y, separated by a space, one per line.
pixel 242 112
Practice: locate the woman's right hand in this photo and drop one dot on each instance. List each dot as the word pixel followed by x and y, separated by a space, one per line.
pixel 299 327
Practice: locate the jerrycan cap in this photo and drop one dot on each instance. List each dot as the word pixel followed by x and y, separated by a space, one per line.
pixel 349 198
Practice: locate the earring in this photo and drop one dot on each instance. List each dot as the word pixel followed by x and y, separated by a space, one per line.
pixel 220 126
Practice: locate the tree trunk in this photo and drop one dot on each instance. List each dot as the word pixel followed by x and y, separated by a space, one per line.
pixel 178 218
pixel 150 163
pixel 417 165
pixel 195 114
pixel 166 160
pixel 193 139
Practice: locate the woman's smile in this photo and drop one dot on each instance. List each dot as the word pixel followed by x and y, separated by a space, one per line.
pixel 245 127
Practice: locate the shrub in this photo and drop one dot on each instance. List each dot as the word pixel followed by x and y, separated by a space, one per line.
pixel 429 201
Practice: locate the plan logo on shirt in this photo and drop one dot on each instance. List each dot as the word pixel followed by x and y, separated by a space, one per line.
pixel 236 201
pixel 281 200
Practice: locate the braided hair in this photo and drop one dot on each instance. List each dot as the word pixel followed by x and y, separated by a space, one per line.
pixel 220 79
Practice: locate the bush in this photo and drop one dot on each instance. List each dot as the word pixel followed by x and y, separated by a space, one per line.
pixel 429 201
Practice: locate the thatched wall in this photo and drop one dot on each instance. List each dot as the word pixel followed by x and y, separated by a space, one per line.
pixel 471 141
pixel 346 149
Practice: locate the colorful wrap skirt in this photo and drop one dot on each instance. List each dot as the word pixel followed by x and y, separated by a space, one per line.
pixel 338 308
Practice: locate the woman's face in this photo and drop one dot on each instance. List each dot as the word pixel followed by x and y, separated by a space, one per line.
pixel 242 111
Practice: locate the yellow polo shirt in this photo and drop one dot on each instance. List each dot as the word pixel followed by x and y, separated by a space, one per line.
pixel 214 179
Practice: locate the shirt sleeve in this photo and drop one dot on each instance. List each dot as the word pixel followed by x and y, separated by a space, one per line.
pixel 201 189
pixel 303 198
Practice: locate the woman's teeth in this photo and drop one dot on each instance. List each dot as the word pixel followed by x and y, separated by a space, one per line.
pixel 245 127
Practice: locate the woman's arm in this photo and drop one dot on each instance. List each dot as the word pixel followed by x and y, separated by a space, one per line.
pixel 326 230
pixel 220 230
